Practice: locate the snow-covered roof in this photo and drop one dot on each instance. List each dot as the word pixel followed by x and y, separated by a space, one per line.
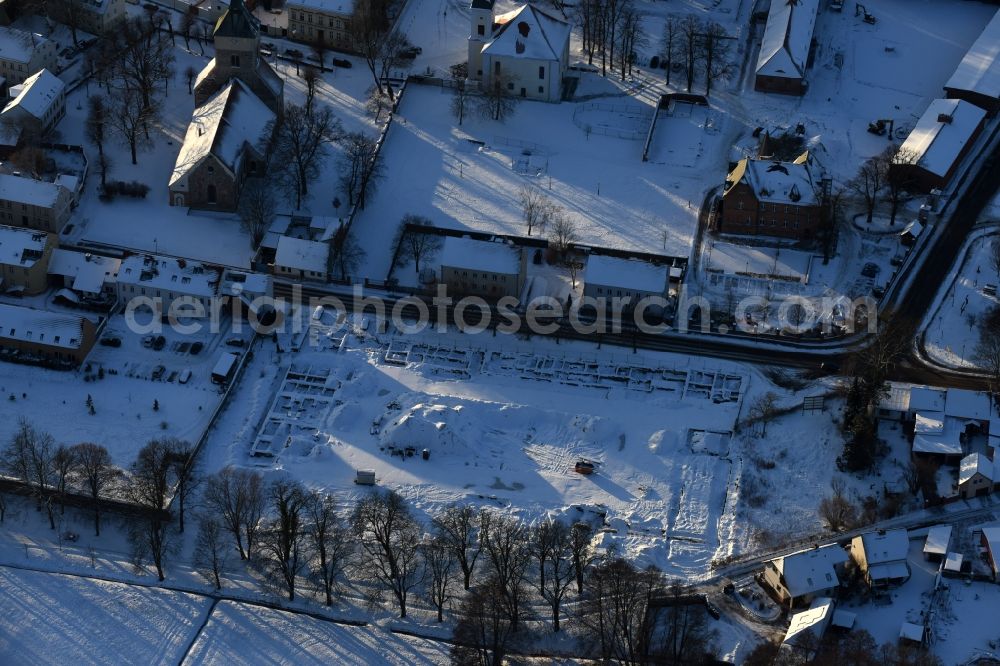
pixel 938 138
pixel 330 6
pixel 924 423
pixel 938 436
pixel 812 569
pixel 24 324
pixel 29 191
pixel 175 275
pixel 992 536
pixel 814 620
pixel 90 272
pixel 21 247
pixel 972 464
pixel 237 22
pixel 300 254
pixel 490 256
pixel 529 32
pixel 221 126
pixel 953 562
pixel 632 274
pixel 778 182
pixel 966 404
pixel 884 547
pixel 927 399
pixel 912 632
pixel 787 36
pixel 37 94
pixel 18 45
pixel 938 538
pixel 237 283
pixel 979 70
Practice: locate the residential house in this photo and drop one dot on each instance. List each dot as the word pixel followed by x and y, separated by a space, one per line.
pixel 96 16
pixel 37 105
pixel 938 143
pixel 24 259
pixel 24 53
pixel 799 578
pixel 491 269
pixel 976 476
pixel 936 545
pixel 977 78
pixel 880 557
pixel 608 277
pixel 35 204
pixel 164 281
pixel 301 259
pixel 805 631
pixel 784 51
pixel 326 22
pixel 989 539
pixel 771 198
pixel 33 334
pixel 526 49
pixel 225 144
pixel 92 277
pixel 237 56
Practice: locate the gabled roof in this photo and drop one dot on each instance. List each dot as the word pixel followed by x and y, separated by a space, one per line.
pixel 938 538
pixel 221 126
pixel 301 254
pixel 972 464
pixel 528 32
pixel 37 93
pixel 492 256
pixel 778 182
pixel 939 137
pixel 18 45
pixel 966 404
pixel 237 22
pixel 979 70
pixel 810 570
pixel 29 191
pixel 55 329
pixel 21 247
pixel 90 272
pixel 814 620
pixel 787 36
pixel 884 547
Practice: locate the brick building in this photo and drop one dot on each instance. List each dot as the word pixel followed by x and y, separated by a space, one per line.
pixel 47 336
pixel 34 204
pixel 24 259
pixel 771 198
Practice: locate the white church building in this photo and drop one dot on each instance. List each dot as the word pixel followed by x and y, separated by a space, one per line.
pixel 527 46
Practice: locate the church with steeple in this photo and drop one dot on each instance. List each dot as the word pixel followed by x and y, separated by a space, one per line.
pixel 239 101
pixel 237 56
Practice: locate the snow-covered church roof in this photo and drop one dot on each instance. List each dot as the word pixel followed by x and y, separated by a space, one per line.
pixel 785 48
pixel 528 32
pixel 221 126
pixel 979 70
pixel 778 182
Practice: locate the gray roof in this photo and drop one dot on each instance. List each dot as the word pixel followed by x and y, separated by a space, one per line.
pixel 237 22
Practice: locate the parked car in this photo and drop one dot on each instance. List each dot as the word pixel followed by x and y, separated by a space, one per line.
pixel 196 348
pixel 111 341
pixel 235 342
pixel 159 342
pixel 184 376
pixel 870 270
pixel 158 372
pixel 147 341
pixel 293 53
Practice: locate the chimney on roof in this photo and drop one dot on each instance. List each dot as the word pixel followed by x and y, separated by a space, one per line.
pixel 945 118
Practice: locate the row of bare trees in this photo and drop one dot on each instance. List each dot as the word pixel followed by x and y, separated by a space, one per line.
pixel 885 177
pixel 612 31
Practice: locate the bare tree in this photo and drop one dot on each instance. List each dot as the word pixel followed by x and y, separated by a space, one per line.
pixel 311 78
pixel 360 167
pixel 129 116
pixel 189 75
pixel 378 102
pixel 484 630
pixel 257 209
pixel 987 354
pixel 97 473
pixel 497 101
pixel 439 561
pixel 898 176
pixel 589 19
pixel 330 542
pixel 457 527
pixel 504 541
pixel 630 37
pixel 685 637
pixel 148 485
pixel 616 609
pixel 63 466
pixel 716 54
pixel 461 95
pixel 671 43
pixel 210 551
pixel 994 255
pixel 348 256
pixel 378 42
pixel 535 207
pixel 562 232
pixel 144 60
pixel 319 49
pixel 389 538
pixel 763 410
pixel 582 550
pixel 300 147
pixel 552 543
pixel 691 30
pixel 185 476
pixel 837 510
pixel 237 495
pixel 282 539
pixel 187 26
pixel 869 182
pixel 413 243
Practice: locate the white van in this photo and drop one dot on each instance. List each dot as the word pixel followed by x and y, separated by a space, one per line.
pixel 184 376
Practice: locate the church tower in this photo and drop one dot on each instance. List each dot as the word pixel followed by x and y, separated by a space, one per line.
pixel 481 19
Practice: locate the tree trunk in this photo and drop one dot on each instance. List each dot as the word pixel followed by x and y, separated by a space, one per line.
pixel 135 160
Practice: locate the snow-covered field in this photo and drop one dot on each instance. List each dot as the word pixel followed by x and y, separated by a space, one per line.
pixel 951 329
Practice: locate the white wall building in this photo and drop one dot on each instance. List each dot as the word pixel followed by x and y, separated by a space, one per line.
pixel 24 53
pixel 321 21
pixel 38 104
pixel 167 279
pixel 527 47
pixel 632 279
pixel 301 259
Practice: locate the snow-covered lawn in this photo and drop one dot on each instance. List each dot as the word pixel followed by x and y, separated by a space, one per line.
pixel 951 328
pixel 469 177
pixel 58 619
pixel 241 634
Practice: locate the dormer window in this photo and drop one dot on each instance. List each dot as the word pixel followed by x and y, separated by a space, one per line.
pixel 234 61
